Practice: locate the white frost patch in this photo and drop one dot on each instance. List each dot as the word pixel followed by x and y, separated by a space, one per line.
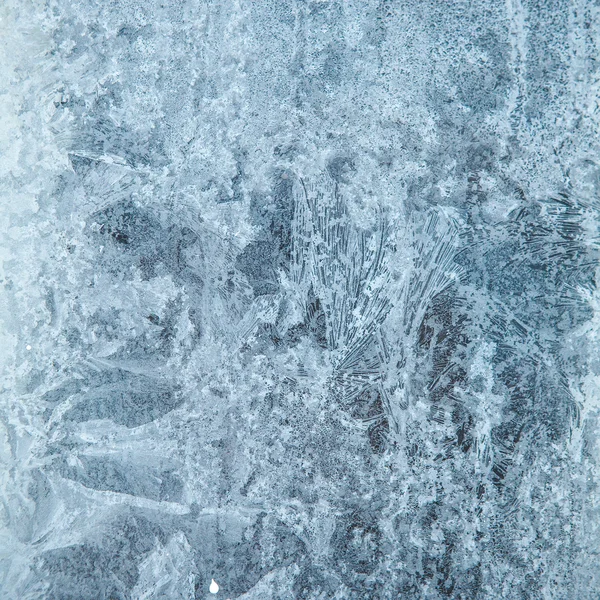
pixel 167 572
pixel 485 406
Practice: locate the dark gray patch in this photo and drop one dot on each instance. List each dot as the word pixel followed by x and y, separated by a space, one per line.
pixel 171 487
pixel 378 436
pixel 273 213
pixel 125 398
pixel 257 262
pixel 103 473
pixel 313 581
pixel 127 224
pixel 340 168
pixel 106 569
pixel 63 392
pixel 85 572
pixel 333 67
pixel 204 88
pixel 356 543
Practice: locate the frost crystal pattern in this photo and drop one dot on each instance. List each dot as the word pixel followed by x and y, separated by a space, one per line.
pixel 299 299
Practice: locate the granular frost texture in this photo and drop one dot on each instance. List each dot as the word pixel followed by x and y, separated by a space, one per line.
pixel 299 299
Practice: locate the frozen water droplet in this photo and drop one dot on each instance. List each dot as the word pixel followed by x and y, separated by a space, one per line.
pixel 214 587
pixel 28 347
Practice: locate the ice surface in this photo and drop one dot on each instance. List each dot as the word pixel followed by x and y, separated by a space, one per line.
pixel 299 299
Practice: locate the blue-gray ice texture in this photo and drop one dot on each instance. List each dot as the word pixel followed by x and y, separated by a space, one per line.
pixel 300 296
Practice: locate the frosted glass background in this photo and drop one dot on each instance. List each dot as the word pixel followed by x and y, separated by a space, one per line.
pixel 300 297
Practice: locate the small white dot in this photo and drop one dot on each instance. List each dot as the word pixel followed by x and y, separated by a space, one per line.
pixel 28 347
pixel 214 587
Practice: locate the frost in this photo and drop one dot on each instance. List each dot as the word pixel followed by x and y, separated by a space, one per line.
pixel 299 300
